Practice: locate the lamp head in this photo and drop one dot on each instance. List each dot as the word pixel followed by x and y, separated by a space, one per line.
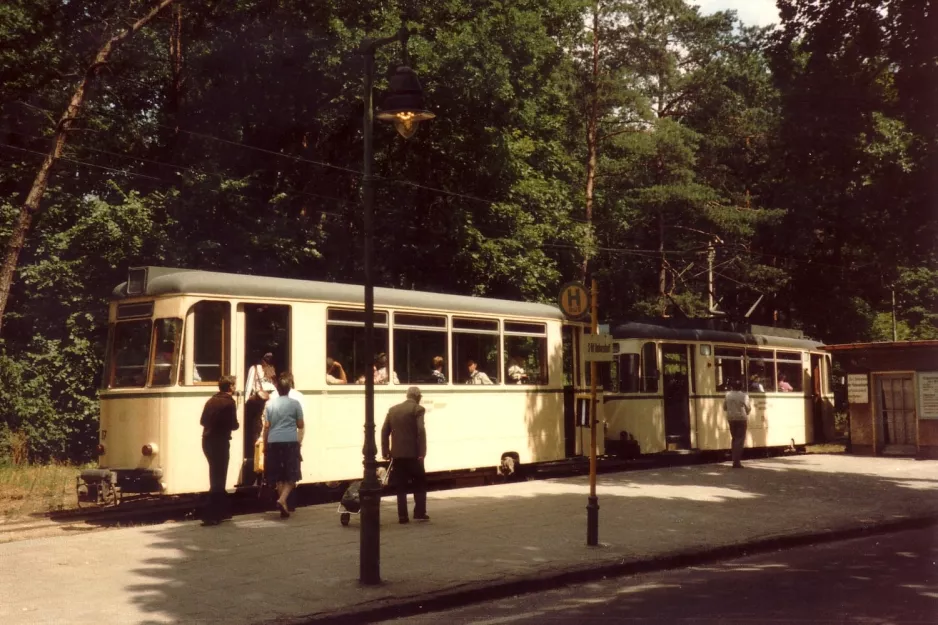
pixel 404 106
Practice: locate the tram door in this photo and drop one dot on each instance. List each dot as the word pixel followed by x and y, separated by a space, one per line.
pixel 676 378
pixel 263 328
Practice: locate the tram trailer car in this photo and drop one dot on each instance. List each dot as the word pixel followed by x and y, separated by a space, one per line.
pixel 667 384
pixel 174 332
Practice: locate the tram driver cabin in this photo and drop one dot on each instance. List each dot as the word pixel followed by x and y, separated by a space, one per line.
pixel 174 332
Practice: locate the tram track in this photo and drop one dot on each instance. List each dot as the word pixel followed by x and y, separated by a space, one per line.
pixel 149 510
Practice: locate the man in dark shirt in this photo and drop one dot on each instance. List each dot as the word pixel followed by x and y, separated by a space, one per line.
pixel 219 420
pixel 404 438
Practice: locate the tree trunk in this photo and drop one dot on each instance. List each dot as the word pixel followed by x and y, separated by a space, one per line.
pixel 663 270
pixel 592 125
pixel 175 59
pixel 31 206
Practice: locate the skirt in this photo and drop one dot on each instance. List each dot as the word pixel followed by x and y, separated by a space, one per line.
pixel 282 463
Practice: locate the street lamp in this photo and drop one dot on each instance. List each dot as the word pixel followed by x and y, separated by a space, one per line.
pixel 405 108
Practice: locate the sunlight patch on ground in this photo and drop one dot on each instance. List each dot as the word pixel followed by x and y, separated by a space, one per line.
pixel 693 492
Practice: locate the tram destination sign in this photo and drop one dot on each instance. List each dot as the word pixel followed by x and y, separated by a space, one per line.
pixel 597 348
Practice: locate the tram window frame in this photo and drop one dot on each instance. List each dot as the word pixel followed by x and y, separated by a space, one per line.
pixel 723 354
pixel 356 365
pixel 651 372
pixel 632 383
pixel 204 321
pixel 763 362
pixel 144 328
pixel 526 341
pixel 486 335
pixel 791 364
pixel 422 329
pixel 165 330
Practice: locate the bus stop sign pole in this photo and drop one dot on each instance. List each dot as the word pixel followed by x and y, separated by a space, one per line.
pixel 592 506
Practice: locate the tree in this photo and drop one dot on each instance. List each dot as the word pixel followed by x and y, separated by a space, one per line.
pixel 31 205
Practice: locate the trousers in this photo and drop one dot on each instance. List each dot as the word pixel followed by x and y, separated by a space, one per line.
pixel 738 432
pixel 405 473
pixel 217 451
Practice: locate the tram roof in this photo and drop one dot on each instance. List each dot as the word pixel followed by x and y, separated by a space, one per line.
pixel 172 281
pixel 652 331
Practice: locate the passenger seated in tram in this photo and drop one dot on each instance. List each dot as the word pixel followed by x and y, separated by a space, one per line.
pixel 436 374
pixel 516 371
pixel 381 370
pixel 783 384
pixel 335 374
pixel 476 376
pixel 755 384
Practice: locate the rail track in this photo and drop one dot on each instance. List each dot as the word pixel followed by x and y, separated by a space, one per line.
pixel 151 510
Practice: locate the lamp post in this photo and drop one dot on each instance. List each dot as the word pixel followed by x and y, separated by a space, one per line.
pixel 404 107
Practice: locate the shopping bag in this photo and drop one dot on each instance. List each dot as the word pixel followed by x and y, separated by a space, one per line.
pixel 384 475
pixel 259 455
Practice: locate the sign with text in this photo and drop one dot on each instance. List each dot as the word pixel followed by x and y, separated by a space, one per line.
pixel 597 347
pixel 928 395
pixel 858 388
pixel 574 300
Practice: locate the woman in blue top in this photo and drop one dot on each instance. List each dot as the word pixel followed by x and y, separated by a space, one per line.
pixel 283 433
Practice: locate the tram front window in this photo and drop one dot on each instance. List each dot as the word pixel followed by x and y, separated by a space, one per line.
pixel 168 333
pixel 729 368
pixel 130 353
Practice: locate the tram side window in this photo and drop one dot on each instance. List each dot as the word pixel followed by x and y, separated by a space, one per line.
pixel 167 342
pixel 345 341
pixel 629 373
pixel 130 353
pixel 761 370
pixel 477 340
pixel 418 340
pixel 650 368
pixel 729 367
pixel 790 372
pixel 210 326
pixel 525 353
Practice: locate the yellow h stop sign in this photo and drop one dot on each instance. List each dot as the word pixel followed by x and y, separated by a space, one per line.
pixel 574 300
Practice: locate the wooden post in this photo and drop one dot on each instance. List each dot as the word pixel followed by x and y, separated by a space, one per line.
pixel 592 507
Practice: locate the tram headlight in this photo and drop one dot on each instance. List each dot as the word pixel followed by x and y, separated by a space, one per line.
pixel 100 449
pixel 150 449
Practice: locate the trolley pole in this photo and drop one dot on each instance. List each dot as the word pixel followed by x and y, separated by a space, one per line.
pixel 592 507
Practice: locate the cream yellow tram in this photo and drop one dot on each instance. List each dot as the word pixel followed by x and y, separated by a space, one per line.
pixel 666 386
pixel 174 332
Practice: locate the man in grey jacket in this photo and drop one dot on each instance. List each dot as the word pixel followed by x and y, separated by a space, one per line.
pixel 404 438
pixel 737 407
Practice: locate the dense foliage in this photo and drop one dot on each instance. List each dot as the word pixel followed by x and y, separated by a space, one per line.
pixel 227 135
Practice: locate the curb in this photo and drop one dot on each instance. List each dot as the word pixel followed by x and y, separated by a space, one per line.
pixel 387 609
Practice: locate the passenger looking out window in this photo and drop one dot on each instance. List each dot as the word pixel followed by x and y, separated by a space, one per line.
pixel 335 374
pixel 516 373
pixel 790 372
pixel 437 373
pixel 475 375
pixel 381 370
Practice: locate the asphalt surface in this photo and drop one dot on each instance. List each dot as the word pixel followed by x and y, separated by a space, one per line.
pixel 889 578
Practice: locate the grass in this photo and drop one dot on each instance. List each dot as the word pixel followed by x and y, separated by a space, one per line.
pixel 32 489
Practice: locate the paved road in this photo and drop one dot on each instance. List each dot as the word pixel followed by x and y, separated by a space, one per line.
pixel 881 579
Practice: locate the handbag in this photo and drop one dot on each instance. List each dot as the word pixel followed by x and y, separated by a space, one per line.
pixel 259 455
pixel 385 479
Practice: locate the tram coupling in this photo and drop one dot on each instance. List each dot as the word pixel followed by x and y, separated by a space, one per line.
pixel 97 487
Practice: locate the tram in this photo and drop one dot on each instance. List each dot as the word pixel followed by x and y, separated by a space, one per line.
pixel 174 332
pixel 665 389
